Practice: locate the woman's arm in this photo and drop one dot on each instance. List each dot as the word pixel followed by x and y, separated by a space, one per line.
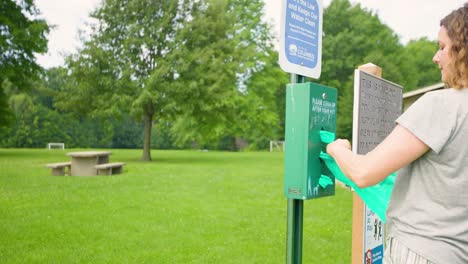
pixel 399 149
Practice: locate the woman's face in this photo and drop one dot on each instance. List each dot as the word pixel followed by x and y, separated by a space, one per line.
pixel 443 57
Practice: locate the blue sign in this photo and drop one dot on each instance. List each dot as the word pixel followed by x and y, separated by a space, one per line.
pixel 374 255
pixel 301 37
pixel 373 237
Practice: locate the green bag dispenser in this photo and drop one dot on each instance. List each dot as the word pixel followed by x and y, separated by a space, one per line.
pixel 310 108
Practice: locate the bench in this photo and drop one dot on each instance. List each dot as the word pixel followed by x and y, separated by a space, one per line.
pixel 58 169
pixel 109 168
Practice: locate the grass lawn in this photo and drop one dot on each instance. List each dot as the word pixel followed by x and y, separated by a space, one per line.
pixel 183 207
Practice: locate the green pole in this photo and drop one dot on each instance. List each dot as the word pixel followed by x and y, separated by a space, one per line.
pixel 295 217
pixel 294 243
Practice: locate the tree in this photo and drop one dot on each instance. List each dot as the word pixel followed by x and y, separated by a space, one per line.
pixel 182 62
pixel 124 67
pixel 264 121
pixel 21 35
pixel 225 44
pixel 419 55
pixel 37 121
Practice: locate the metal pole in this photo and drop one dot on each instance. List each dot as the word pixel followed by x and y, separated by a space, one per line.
pixel 294 242
pixel 295 217
pixel 296 78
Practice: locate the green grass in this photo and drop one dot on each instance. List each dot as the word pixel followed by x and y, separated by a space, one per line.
pixel 183 207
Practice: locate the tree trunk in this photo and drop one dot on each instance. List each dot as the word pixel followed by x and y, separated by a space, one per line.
pixel 233 144
pixel 148 119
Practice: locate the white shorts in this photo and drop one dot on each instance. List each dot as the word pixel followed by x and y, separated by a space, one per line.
pixel 397 253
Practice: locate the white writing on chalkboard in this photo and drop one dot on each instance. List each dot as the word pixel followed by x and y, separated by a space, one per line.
pixel 379 106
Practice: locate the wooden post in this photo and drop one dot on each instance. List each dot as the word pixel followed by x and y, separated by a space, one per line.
pixel 358 232
pixel 357 248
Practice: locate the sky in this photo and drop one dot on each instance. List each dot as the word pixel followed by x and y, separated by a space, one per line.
pixel 409 19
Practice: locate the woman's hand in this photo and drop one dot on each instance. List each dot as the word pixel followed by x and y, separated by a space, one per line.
pixel 338 144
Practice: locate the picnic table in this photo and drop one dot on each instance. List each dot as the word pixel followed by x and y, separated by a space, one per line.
pixel 83 162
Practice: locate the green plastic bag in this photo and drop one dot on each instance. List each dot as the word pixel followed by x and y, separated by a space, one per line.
pixel 375 197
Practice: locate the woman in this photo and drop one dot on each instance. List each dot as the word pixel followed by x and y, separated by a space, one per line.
pixel 427 217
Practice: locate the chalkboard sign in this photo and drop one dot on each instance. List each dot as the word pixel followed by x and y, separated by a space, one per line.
pixel 377 104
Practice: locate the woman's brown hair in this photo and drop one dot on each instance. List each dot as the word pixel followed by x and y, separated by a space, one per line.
pixel 456 24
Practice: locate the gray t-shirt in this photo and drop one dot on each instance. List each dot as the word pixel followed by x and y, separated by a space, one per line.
pixel 428 210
